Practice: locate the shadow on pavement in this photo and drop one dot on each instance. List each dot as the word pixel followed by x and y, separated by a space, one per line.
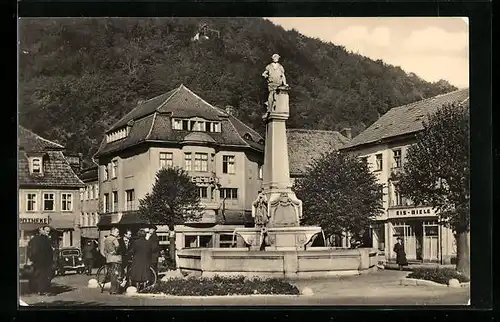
pixel 66 303
pixel 55 289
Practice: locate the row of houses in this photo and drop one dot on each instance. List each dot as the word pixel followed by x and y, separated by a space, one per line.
pixel 223 156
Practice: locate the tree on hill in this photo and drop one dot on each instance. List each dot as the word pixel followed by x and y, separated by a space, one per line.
pixel 436 172
pixel 339 194
pixel 173 200
pixel 77 76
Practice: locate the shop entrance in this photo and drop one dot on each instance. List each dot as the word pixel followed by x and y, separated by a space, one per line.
pixel 412 234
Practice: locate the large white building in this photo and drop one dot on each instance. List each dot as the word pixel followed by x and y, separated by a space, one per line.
pixel 383 145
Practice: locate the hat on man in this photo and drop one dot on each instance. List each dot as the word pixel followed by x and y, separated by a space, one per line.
pixel 276 56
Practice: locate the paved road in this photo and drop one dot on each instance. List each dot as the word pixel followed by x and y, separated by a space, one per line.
pixel 379 288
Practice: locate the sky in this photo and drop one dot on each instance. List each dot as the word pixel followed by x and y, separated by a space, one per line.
pixel 434 48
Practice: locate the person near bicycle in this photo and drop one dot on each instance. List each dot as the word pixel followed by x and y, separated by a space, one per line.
pixel 125 248
pixel 113 259
pixel 141 252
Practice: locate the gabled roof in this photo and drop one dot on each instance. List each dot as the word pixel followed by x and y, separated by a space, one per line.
pixel 89 174
pixel 29 141
pixel 307 145
pixel 406 119
pixel 152 122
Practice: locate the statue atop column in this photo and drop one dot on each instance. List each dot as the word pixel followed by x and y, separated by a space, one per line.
pixel 275 76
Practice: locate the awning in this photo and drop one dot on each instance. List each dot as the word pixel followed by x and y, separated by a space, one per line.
pixel 30 226
pixel 62 221
pixel 105 220
pixel 90 232
pixel 132 218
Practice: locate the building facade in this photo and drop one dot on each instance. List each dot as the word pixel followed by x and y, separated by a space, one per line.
pixel 89 200
pixel 221 154
pixel 383 146
pixel 48 192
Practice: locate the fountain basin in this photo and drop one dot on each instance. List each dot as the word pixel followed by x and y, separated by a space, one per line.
pixel 292 264
pixel 280 238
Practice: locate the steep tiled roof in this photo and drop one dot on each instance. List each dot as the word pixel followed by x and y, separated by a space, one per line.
pixel 32 142
pixel 152 123
pixel 307 145
pixel 405 119
pixel 56 172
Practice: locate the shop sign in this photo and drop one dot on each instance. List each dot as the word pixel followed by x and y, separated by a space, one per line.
pixel 411 212
pixel 32 220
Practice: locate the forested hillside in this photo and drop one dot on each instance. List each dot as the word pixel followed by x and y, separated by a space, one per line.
pixel 79 76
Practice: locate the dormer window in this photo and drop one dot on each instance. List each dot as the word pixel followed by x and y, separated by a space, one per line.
pixel 262 142
pixel 36 165
pixel 247 137
pixel 196 124
pixel 118 134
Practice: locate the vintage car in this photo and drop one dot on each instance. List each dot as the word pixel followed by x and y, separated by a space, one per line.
pixel 69 259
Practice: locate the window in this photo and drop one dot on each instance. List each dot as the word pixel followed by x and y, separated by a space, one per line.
pixel 115 201
pixel 36 165
pixel 82 192
pixel 166 159
pixel 130 197
pixel 397 158
pixel 261 171
pixel 91 192
pixel 81 219
pixel 31 202
pixel 208 127
pixel 185 124
pixel 177 124
pixel 187 161
pixel 66 202
pixel 203 192
pixel 205 241
pixel 105 173
pixel 114 168
pixel 379 162
pixel 105 203
pixel 48 201
pixel 225 240
pixel 217 127
pixel 228 164
pixel 96 190
pixel 229 193
pixel 201 162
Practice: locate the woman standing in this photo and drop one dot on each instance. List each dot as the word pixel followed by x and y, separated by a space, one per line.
pixel 399 249
pixel 141 260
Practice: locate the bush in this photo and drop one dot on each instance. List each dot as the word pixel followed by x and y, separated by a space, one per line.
pixel 195 286
pixel 438 275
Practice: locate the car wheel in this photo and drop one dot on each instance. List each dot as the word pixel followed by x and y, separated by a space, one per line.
pixel 61 272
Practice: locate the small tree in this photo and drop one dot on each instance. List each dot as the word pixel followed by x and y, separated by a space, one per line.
pixel 339 194
pixel 436 173
pixel 174 200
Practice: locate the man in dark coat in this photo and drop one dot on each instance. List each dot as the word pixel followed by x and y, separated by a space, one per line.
pixel 88 256
pixel 41 254
pixel 155 248
pixel 125 249
pixel 141 260
pixel 399 249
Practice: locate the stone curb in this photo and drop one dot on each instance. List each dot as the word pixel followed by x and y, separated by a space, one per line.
pixel 167 296
pixel 419 282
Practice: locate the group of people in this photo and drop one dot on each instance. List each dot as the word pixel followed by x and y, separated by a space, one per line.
pixel 132 257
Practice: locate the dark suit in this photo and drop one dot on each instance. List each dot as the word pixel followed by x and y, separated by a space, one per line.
pixel 155 251
pixel 125 251
pixel 41 254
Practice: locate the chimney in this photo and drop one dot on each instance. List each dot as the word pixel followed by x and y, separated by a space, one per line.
pixel 229 109
pixel 346 132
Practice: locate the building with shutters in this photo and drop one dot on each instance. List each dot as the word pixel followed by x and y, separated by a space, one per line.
pixel 48 191
pixel 383 146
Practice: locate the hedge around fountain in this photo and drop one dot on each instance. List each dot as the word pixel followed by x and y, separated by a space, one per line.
pixel 437 275
pixel 199 286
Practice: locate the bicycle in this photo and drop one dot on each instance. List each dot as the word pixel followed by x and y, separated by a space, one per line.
pixel 103 277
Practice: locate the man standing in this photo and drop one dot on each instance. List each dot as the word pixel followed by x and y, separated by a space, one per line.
pixel 88 256
pixel 113 259
pixel 155 248
pixel 125 244
pixel 41 254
